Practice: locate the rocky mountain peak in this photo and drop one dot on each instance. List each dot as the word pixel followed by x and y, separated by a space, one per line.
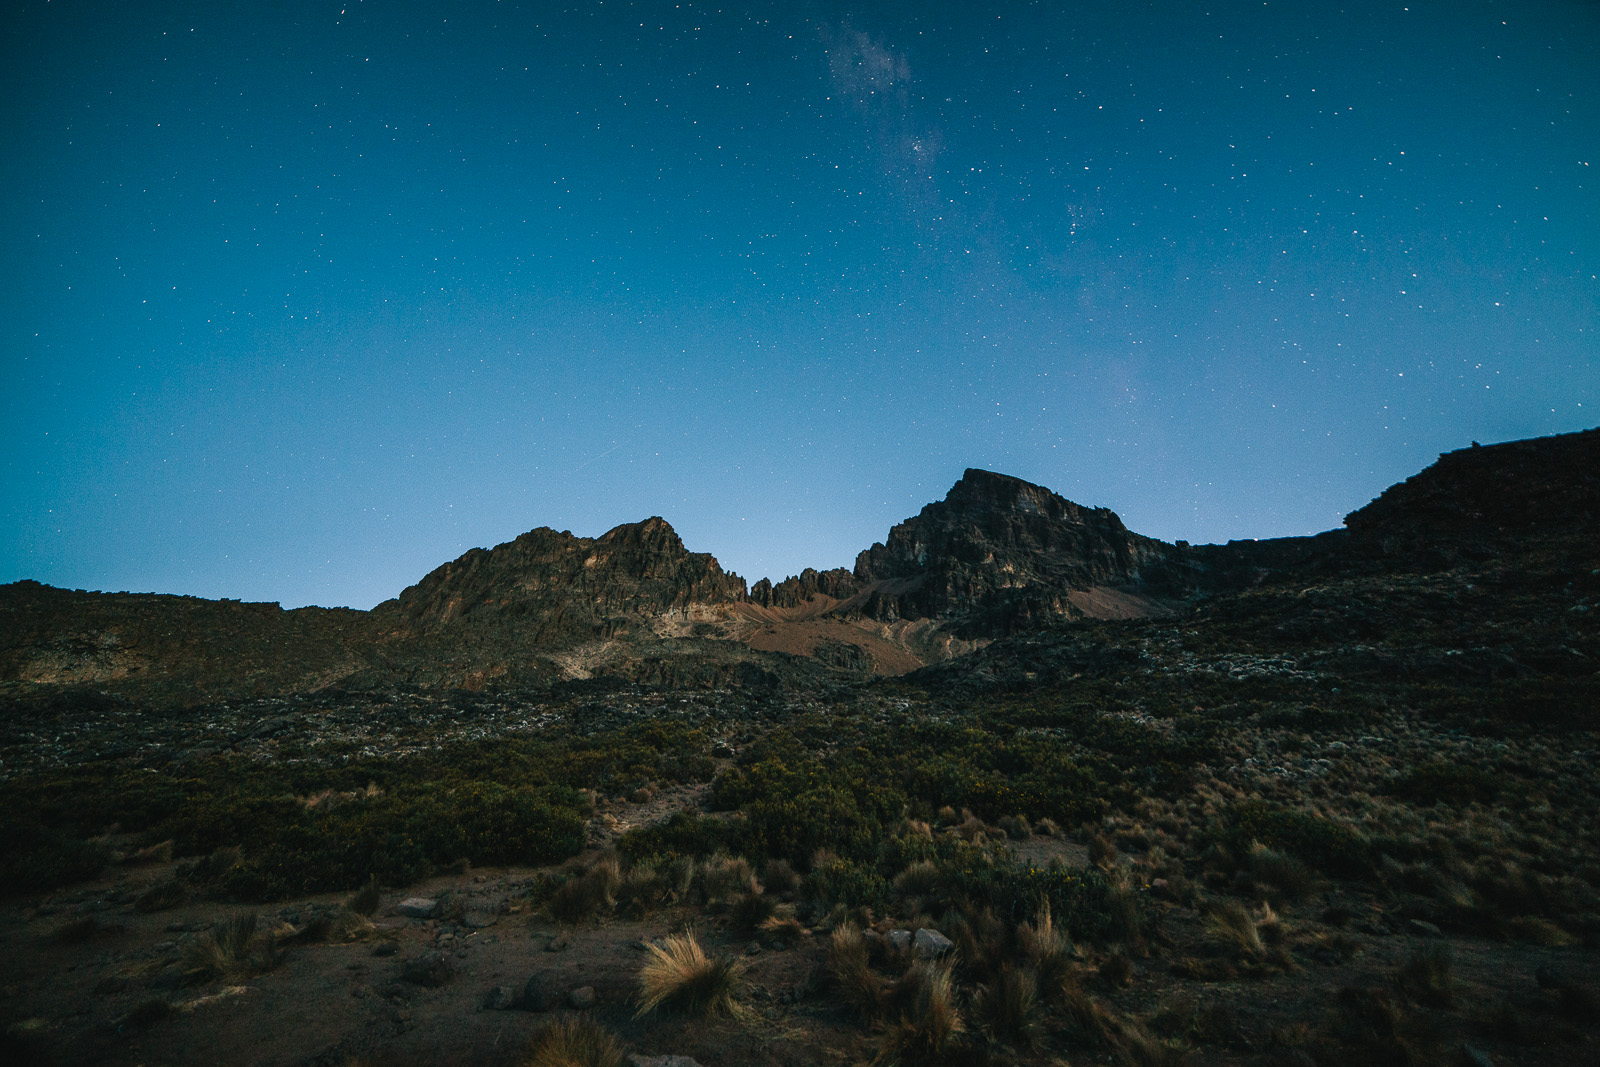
pixel 1002 549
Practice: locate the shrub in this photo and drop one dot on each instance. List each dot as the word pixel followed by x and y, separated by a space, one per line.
pixel 786 929
pixel 838 881
pixel 574 1041
pixel 1334 847
pixel 680 977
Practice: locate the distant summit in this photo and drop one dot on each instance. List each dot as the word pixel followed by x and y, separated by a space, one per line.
pixel 997 556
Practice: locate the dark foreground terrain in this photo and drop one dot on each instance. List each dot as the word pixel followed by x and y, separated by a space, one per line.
pixel 1324 800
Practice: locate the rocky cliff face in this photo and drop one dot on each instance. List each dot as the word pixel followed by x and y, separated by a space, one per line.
pixel 999 552
pixel 556 588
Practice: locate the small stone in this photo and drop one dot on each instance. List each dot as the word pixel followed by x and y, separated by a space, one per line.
pixel 385 948
pixel 557 944
pixel 500 998
pixel 931 944
pixel 418 908
pixel 430 969
pixel 1423 928
pixel 477 920
pixel 542 992
pixel 900 941
pixel 582 997
pixel 753 949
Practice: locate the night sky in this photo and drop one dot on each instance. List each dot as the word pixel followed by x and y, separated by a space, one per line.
pixel 302 299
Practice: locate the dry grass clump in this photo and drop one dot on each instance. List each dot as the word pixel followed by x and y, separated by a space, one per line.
pixel 927 1024
pixel 1373 1028
pixel 724 878
pixel 1426 979
pixel 642 890
pixel 1008 1007
pixel 589 894
pixel 918 880
pixel 1016 827
pixel 1049 952
pixel 233 948
pixel 365 901
pixel 751 910
pixel 860 985
pixel 77 931
pixel 680 977
pixel 1230 924
pixel 779 877
pixel 161 896
pixel 1279 876
pixel 785 929
pixel 1137 1047
pixel 573 1041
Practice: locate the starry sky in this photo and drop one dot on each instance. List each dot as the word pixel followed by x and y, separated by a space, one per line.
pixel 302 299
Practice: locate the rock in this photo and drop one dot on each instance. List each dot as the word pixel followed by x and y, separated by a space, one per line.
pixel 500 998
pixel 430 969
pixel 900 941
pixel 1476 1056
pixel 931 944
pixel 557 944
pixel 385 948
pixel 1422 928
pixel 542 992
pixel 753 949
pixel 636 1060
pixel 418 908
pixel 478 920
pixel 582 997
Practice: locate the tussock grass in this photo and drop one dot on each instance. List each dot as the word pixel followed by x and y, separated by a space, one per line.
pixel 233 948
pixel 588 895
pixel 862 987
pixel 928 1023
pixel 1008 1007
pixel 1230 924
pixel 1426 978
pixel 161 896
pixel 751 910
pixel 573 1041
pixel 1049 952
pixel 366 900
pixel 786 929
pixel 680 977
pixel 1137 1047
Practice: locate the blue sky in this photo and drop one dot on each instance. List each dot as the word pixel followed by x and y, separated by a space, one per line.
pixel 302 300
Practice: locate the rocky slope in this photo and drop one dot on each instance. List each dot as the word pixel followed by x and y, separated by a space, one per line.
pixel 998 556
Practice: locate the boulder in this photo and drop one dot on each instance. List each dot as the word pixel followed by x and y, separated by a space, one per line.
pixel 582 997
pixel 543 992
pixel 418 908
pixel 931 944
pixel 431 969
pixel 500 998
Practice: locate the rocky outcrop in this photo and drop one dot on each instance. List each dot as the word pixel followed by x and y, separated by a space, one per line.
pixel 999 553
pixel 556 589
pixel 809 584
